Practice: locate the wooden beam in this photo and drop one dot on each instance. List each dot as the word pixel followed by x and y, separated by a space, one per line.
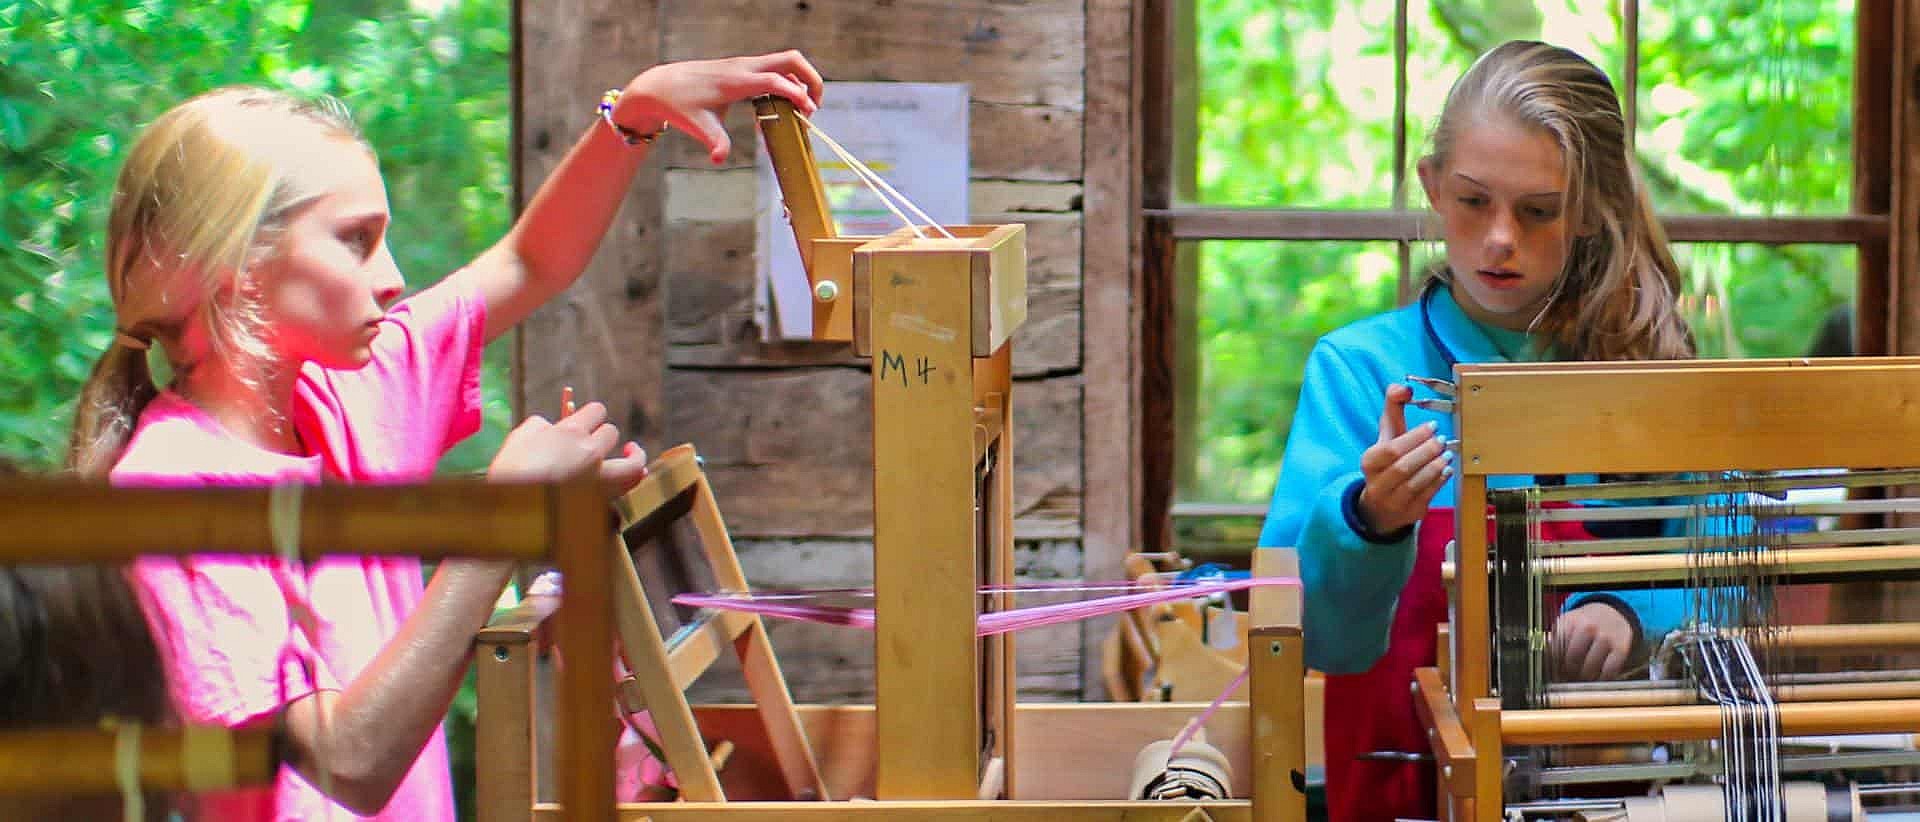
pixel 1185 335
pixel 1582 726
pixel 1110 240
pixel 1904 193
pixel 1159 67
pixel 1648 418
pixel 84 761
pixel 1188 223
pixel 1446 736
pixel 1873 164
pixel 958 811
pixel 503 730
pixel 59 521
pixel 1157 387
pixel 581 525
pixel 1277 695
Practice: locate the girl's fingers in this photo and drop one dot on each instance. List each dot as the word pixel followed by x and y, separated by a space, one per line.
pixel 1393 415
pixel 794 64
pixel 585 418
pixel 602 439
pixel 768 82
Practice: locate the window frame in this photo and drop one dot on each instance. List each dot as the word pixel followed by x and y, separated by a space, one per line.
pixel 1166 224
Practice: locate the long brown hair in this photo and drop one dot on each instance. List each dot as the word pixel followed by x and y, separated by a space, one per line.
pixel 203 194
pixel 1617 299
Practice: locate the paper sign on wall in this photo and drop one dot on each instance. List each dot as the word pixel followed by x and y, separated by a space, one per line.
pixel 914 135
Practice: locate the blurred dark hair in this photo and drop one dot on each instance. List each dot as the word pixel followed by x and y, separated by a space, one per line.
pixel 74 648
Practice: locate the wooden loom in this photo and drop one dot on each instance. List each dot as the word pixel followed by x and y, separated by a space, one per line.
pixel 1659 419
pixel 67 522
pixel 946 739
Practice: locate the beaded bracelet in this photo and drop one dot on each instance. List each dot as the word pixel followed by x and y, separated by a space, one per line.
pixel 632 138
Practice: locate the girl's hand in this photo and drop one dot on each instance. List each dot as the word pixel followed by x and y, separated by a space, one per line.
pixel 542 451
pixel 693 96
pixel 1403 468
pixel 1592 642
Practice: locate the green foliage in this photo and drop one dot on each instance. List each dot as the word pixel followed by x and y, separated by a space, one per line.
pixel 1743 110
pixel 427 81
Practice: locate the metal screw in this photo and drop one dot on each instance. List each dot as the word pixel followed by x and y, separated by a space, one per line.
pixel 1476 389
pixel 826 291
pixel 500 652
pixel 1274 648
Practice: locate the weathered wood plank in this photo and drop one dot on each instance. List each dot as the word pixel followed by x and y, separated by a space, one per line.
pixel 1008 141
pixel 996 196
pixel 1011 52
pixel 603 336
pixel 789 452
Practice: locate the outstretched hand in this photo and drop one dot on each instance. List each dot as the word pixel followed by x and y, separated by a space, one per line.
pixel 1592 642
pixel 1404 468
pixel 693 96
pixel 541 451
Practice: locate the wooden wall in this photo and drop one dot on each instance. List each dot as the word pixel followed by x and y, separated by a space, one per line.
pixel 662 326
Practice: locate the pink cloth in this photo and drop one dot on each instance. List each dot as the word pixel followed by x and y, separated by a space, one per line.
pixel 231 652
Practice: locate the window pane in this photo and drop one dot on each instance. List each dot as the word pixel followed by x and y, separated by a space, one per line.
pixel 1261 307
pixel 1295 103
pixel 1444 37
pixel 1766 301
pixel 1747 110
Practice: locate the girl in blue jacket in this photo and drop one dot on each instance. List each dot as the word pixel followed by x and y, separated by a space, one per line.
pixel 1552 253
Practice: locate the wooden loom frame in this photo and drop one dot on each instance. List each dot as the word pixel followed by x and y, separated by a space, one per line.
pixel 1645 417
pixel 66 522
pixel 946 736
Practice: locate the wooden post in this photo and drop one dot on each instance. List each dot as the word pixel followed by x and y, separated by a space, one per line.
pixel 993 379
pixel 503 735
pixel 1276 692
pixel 927 661
pixel 581 521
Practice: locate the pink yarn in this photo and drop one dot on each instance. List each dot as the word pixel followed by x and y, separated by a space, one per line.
pixel 997 622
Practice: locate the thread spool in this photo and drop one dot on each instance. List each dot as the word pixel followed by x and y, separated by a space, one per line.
pixel 1197 771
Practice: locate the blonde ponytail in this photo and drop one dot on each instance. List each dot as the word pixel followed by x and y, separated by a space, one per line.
pixel 115 393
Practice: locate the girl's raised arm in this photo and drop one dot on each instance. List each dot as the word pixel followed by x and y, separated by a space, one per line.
pixel 554 239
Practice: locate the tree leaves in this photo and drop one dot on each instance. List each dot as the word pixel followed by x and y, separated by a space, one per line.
pixel 77 80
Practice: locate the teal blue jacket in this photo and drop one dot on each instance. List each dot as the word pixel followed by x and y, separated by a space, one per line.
pixel 1352 583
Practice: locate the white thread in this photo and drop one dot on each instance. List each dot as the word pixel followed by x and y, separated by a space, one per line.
pixel 126 767
pixel 283 522
pixel 876 183
pixel 206 757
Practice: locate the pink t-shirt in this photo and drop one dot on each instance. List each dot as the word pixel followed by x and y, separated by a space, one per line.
pixel 232 654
